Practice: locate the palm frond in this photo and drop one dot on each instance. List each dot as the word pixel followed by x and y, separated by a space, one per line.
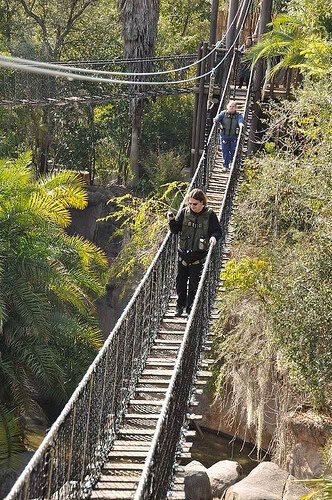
pixel 3 309
pixel 31 306
pixel 67 188
pixel 30 365
pixel 293 43
pixel 46 207
pixel 11 438
pixel 69 289
pixel 87 251
pixel 60 179
pixel 44 273
pixel 321 488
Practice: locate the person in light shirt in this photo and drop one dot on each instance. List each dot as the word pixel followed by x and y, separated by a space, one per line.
pixel 230 121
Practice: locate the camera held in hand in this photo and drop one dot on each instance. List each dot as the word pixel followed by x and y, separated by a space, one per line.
pixel 170 215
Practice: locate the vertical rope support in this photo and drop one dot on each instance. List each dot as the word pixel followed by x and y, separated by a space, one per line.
pixel 122 385
pixel 83 468
pixel 113 416
pixel 50 472
pixel 102 402
pixel 71 445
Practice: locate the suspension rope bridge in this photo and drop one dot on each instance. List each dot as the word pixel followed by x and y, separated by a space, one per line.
pixel 125 428
pixel 125 425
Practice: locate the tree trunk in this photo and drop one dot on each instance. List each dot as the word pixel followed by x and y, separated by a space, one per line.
pixel 134 152
pixel 139 29
pixel 43 138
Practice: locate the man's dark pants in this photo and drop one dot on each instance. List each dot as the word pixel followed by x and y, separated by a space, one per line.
pixel 186 294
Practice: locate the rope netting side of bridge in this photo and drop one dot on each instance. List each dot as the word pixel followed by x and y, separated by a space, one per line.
pixel 72 454
pixel 22 88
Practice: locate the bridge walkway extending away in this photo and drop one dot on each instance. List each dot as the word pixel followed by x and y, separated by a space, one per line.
pixel 217 185
pixel 121 474
pixel 126 460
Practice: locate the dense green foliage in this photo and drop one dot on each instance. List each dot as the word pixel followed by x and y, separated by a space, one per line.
pixel 49 282
pixel 182 25
pixel 143 226
pixel 167 127
pixel 321 489
pixel 300 38
pixel 92 30
pixel 275 331
pixel 274 335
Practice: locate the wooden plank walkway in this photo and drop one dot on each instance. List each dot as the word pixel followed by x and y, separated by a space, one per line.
pixel 122 472
pixel 218 181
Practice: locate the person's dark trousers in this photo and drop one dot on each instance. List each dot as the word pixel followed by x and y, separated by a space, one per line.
pixel 228 146
pixel 185 293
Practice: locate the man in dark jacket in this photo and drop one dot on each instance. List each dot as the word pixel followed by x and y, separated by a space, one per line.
pixel 231 121
pixel 199 228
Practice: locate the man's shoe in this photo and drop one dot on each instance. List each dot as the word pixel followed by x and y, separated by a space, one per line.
pixel 225 170
pixel 188 310
pixel 179 311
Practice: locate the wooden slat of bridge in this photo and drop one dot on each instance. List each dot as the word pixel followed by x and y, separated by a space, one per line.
pixel 126 460
pixel 122 472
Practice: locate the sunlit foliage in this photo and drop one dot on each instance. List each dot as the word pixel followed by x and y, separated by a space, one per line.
pixel 299 38
pixel 49 282
pixel 275 331
pixel 143 225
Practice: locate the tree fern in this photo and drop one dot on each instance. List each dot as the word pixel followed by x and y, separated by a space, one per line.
pixel 49 284
pixel 142 228
pixel 294 42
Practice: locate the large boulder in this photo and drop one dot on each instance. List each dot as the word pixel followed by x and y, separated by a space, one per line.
pixel 266 482
pixel 196 482
pixel 308 435
pixel 222 475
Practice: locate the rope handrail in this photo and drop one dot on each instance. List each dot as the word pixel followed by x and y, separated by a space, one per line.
pixel 151 486
pixel 21 88
pixel 57 65
pixel 121 60
pixel 12 63
pixel 37 85
pixel 167 246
